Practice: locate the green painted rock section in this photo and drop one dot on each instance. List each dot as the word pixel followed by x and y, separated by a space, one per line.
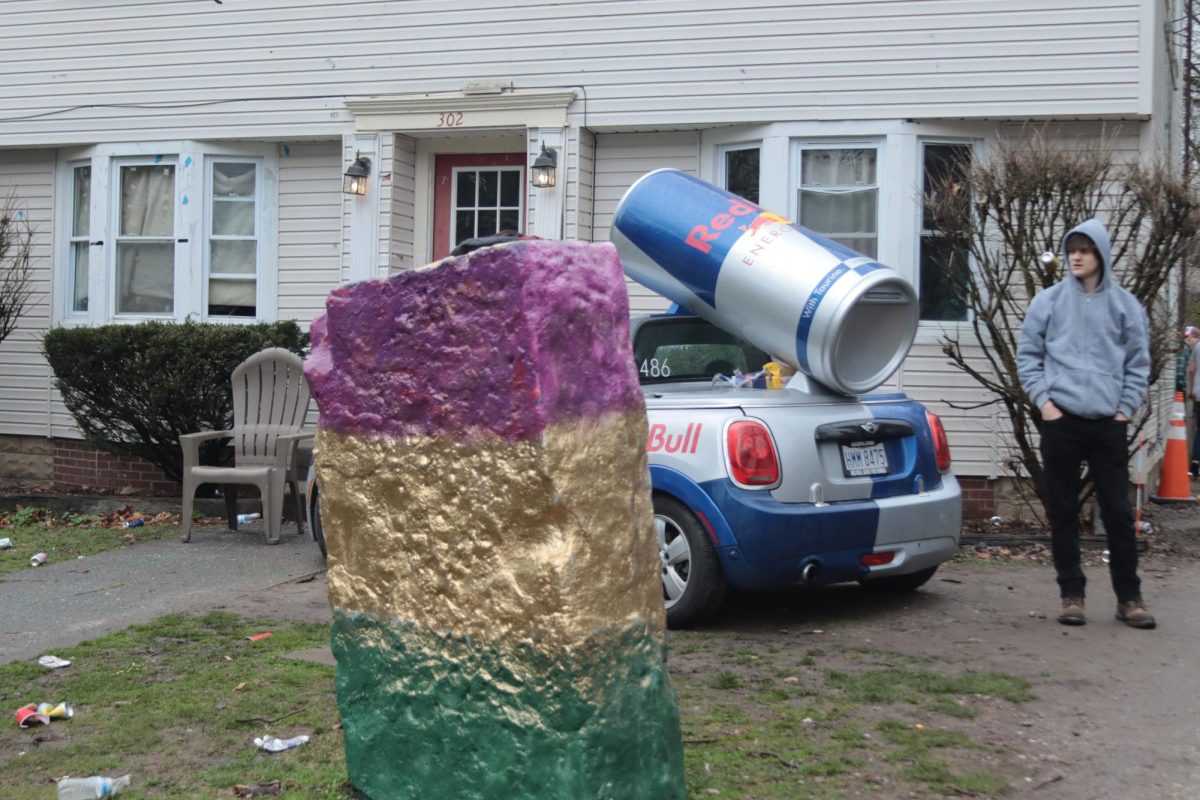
pixel 475 720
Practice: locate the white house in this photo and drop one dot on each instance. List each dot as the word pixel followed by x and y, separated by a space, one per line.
pixel 186 159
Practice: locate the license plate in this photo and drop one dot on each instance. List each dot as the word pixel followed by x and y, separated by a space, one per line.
pixel 864 458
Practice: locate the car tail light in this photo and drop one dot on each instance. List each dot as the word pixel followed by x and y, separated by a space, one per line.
pixel 877 559
pixel 941 445
pixel 752 458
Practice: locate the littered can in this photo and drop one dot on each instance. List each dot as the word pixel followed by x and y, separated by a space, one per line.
pixel 6 543
pixel 839 316
pixel 37 560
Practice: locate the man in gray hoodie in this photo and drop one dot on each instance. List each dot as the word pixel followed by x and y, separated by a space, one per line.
pixel 1084 361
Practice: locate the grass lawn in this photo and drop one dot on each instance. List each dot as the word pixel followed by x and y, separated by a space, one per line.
pixel 177 704
pixel 68 536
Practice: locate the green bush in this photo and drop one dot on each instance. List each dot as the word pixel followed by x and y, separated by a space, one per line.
pixel 137 388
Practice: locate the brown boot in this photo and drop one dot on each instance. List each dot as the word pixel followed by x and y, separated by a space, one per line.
pixel 1134 614
pixel 1072 611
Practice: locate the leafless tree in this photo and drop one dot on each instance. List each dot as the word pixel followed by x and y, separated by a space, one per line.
pixel 1002 214
pixel 16 241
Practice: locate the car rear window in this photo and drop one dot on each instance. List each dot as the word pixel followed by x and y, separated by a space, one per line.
pixel 689 348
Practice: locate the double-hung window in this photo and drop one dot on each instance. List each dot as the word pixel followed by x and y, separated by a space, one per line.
pixel 232 251
pixel 144 278
pixel 184 233
pixel 78 257
pixel 838 195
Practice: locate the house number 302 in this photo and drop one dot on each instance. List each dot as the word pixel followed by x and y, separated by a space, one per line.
pixel 450 119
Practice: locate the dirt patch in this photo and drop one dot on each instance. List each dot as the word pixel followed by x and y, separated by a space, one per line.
pixel 1115 708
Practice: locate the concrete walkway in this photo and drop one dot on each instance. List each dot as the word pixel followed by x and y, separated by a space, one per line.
pixel 58 605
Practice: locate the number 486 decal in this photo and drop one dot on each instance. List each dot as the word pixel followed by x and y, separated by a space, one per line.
pixel 653 368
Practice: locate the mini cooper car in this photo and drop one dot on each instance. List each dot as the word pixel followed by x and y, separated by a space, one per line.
pixel 767 488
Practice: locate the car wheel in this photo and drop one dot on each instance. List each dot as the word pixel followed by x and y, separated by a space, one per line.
pixel 314 519
pixel 693 584
pixel 900 583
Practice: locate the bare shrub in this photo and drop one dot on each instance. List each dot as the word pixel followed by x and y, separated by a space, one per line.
pixel 16 241
pixel 1006 212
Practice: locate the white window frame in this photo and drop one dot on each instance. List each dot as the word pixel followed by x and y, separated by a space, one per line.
pixel 191 228
pixel 877 144
pixel 206 251
pixel 68 305
pixel 113 232
pixel 722 177
pixel 522 209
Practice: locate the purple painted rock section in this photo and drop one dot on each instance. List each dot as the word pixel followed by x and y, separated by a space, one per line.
pixel 498 343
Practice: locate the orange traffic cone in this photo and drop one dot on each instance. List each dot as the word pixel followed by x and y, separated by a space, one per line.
pixel 1173 484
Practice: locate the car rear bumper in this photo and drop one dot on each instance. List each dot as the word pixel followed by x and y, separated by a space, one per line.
pixel 776 542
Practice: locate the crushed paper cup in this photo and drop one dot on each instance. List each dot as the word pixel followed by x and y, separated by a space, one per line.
pixel 53 662
pixel 257 636
pixel 56 710
pixel 28 716
pixel 273 745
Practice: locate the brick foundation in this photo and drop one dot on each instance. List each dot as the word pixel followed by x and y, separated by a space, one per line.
pixel 979 497
pixel 78 467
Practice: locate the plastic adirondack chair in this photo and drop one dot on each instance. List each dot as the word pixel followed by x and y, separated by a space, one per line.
pixel 270 402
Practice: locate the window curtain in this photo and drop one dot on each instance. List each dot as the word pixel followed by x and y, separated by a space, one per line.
pixel 146 265
pixel 839 197
pixel 233 215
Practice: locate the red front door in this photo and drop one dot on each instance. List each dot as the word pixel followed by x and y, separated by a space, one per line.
pixel 477 194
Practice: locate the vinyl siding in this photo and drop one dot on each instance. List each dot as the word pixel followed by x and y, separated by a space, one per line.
pixel 622 158
pixel 581 175
pixel 310 234
pixel 404 176
pixel 264 68
pixel 25 389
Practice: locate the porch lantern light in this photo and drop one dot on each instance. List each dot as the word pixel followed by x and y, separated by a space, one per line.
pixel 542 173
pixel 355 179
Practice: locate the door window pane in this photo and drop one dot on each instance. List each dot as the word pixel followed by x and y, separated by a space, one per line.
pixel 464 189
pixel 146 239
pixel 944 267
pixel 839 196
pixel 81 213
pixel 510 189
pixel 489 189
pixel 232 242
pixel 741 173
pixel 486 201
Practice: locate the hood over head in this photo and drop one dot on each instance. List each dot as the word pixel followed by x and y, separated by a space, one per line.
pixel 1093 229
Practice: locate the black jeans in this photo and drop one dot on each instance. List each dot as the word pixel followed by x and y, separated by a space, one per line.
pixel 1196 432
pixel 1066 444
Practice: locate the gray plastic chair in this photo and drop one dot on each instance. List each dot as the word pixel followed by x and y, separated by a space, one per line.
pixel 270 402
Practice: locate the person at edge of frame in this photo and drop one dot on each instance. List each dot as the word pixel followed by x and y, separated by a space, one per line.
pixel 1191 341
pixel 1084 361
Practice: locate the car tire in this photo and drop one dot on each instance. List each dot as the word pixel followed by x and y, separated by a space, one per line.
pixel 693 584
pixel 899 584
pixel 314 519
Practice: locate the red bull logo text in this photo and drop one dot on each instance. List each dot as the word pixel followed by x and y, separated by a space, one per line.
pixel 700 237
pixel 660 440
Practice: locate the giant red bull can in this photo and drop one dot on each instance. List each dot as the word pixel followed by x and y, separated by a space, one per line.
pixel 840 317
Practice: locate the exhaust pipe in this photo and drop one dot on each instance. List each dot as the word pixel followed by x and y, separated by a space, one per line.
pixel 809 571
